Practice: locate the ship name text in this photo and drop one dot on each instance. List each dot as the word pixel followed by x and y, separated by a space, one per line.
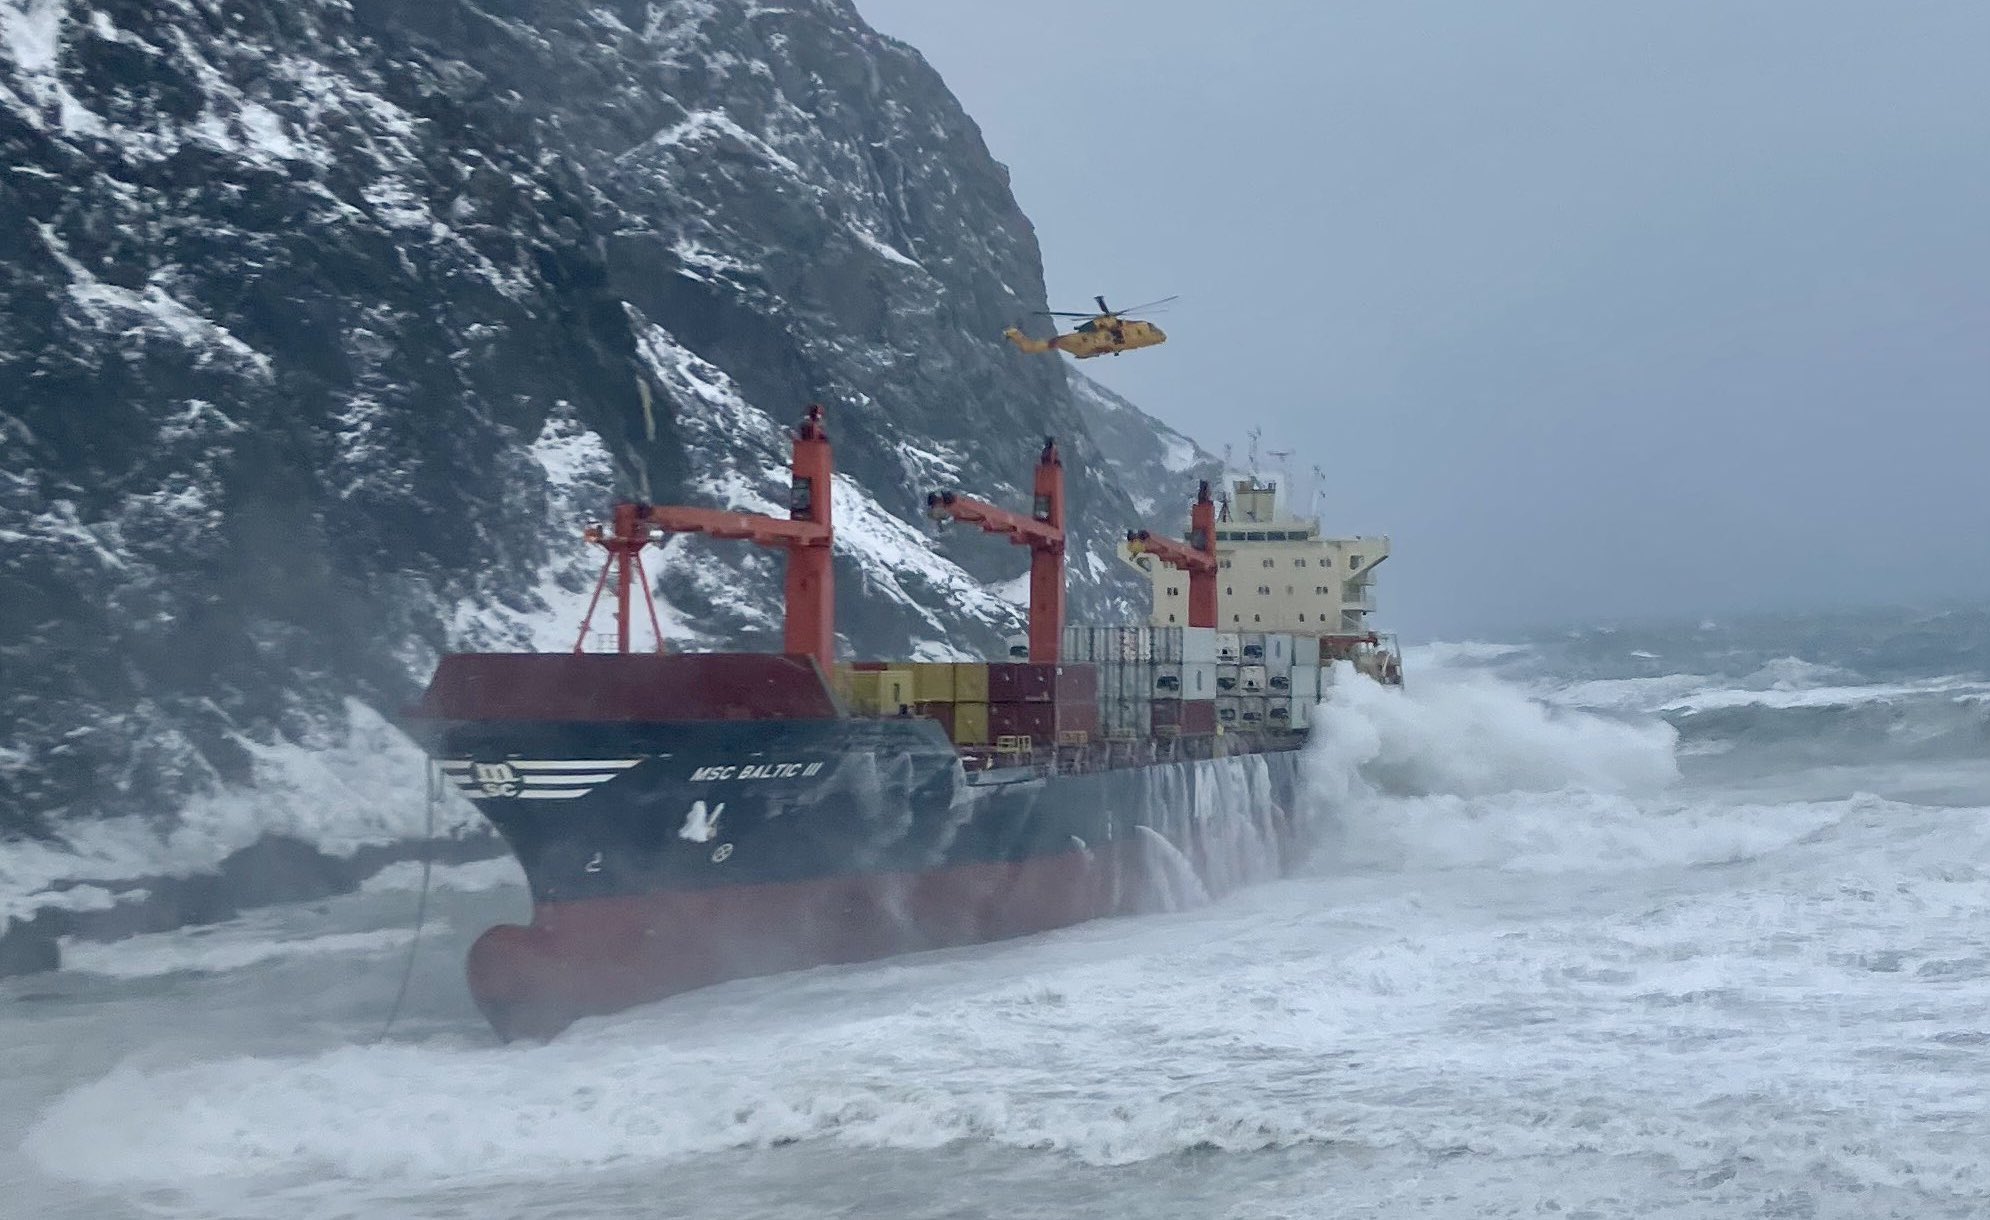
pixel 785 770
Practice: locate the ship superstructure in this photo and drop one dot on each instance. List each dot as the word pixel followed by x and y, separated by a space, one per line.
pixel 1278 572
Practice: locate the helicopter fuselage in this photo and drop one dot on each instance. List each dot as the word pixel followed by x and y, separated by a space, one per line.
pixel 1101 336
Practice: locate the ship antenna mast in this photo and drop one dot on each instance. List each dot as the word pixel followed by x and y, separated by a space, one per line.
pixel 1319 486
pixel 1255 434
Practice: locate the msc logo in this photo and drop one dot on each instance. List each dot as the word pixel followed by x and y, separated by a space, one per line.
pixel 532 779
pixel 496 779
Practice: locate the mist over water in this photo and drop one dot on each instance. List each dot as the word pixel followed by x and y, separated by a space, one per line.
pixel 1664 923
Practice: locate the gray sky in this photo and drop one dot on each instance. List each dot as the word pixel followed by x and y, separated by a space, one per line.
pixel 1598 309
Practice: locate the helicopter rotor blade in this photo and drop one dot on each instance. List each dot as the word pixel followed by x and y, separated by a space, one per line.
pixel 1062 313
pixel 1149 306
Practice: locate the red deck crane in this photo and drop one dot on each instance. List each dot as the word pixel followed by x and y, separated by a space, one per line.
pixel 1197 556
pixel 805 533
pixel 1042 532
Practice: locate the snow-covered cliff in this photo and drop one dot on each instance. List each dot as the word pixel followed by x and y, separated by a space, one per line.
pixel 326 322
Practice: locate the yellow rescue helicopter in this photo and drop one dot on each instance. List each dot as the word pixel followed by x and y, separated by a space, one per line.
pixel 1109 331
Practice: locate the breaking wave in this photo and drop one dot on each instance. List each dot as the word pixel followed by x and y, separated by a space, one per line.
pixel 1463 770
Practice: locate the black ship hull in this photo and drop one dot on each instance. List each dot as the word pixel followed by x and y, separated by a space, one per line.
pixel 665 855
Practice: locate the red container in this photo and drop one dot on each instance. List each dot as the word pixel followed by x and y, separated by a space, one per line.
pixel 942 712
pixel 1019 682
pixel 1042 722
pixel 1023 682
pixel 1189 717
pixel 1077 684
pixel 1078 718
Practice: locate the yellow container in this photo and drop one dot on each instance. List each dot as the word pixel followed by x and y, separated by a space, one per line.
pixel 971 684
pixel 880 692
pixel 933 682
pixel 971 723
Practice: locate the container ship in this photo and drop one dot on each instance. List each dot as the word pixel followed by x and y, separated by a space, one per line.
pixel 686 818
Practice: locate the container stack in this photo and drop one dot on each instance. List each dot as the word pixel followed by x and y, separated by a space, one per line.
pixel 1152 681
pixel 1115 682
pixel 1036 707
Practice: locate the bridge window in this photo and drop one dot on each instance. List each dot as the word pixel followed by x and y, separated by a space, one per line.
pixel 1271 563
pixel 1298 563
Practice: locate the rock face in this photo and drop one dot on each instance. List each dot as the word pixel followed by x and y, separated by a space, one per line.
pixel 325 323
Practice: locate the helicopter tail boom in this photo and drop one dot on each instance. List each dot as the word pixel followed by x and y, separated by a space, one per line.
pixel 1026 343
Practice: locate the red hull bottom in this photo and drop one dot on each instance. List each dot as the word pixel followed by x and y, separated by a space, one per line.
pixel 588 958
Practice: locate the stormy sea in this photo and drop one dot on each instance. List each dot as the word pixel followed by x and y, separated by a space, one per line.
pixel 1675 920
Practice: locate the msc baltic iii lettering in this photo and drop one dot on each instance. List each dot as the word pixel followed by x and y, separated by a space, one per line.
pixel 693 817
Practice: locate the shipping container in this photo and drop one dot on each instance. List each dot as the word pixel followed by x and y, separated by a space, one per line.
pixel 880 692
pixel 1254 647
pixel 1078 644
pixel 1042 723
pixel 1278 652
pixel 1278 713
pixel 1306 683
pixel 1188 717
pixel 1302 714
pixel 970 682
pixel 1226 711
pixel 1021 682
pixel 1199 680
pixel 1251 711
pixel 1167 680
pixel 1277 682
pixel 1077 684
pixel 1229 648
pixel 1229 680
pixel 1253 679
pixel 1127 718
pixel 971 724
pixel 933 682
pixel 1136 681
pixel 1198 645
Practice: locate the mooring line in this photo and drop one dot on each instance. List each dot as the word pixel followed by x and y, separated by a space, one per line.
pixel 434 799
